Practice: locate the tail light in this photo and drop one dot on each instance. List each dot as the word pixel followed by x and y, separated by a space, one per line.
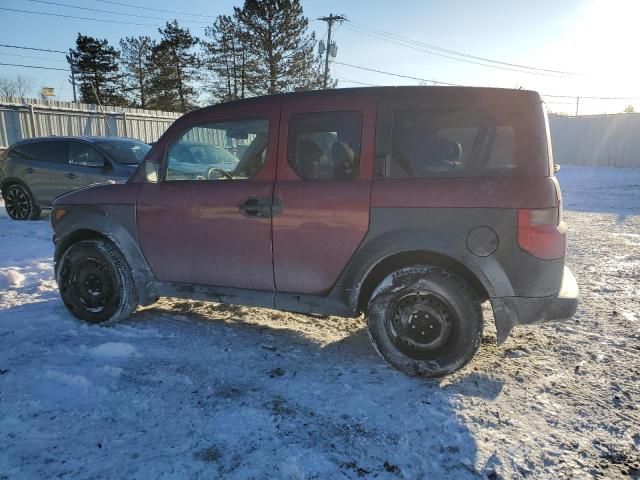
pixel 540 233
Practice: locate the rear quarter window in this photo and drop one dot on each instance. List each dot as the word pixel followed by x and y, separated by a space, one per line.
pixel 468 141
pixel 26 150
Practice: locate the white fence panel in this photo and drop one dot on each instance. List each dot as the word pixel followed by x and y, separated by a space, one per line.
pixel 25 118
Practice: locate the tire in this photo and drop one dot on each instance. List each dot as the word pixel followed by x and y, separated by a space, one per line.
pixel 95 282
pixel 19 203
pixel 425 321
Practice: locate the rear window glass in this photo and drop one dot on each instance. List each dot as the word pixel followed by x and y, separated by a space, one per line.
pixel 468 141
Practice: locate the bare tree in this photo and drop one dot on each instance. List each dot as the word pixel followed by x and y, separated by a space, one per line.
pixel 18 86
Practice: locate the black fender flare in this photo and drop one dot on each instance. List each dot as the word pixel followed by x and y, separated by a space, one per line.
pixel 117 224
pixel 375 250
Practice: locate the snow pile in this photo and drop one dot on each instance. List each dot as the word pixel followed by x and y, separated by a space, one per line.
pixel 114 350
pixel 11 278
pixel 67 379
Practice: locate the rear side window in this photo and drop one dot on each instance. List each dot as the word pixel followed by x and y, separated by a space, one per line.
pixel 56 151
pixel 325 146
pixel 468 141
pixel 26 150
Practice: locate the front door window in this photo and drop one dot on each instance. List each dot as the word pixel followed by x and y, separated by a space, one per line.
pixel 219 151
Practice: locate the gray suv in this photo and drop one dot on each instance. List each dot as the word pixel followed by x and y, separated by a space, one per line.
pixel 34 172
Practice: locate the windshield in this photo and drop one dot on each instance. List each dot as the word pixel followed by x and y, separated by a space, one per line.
pixel 125 152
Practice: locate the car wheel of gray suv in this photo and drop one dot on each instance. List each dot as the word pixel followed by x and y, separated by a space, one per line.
pixel 19 203
pixel 425 321
pixel 95 282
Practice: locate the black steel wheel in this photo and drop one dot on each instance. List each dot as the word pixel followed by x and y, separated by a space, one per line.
pixel 420 323
pixel 425 321
pixel 19 204
pixel 95 282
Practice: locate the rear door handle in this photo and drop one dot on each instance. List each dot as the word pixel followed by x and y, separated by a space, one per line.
pixel 29 170
pixel 71 175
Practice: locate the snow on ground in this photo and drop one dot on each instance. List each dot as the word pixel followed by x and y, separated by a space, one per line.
pixel 200 390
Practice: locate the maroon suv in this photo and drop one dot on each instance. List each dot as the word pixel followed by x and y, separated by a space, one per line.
pixel 412 205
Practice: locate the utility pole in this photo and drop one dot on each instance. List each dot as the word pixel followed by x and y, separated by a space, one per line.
pixel 73 82
pixel 72 60
pixel 330 19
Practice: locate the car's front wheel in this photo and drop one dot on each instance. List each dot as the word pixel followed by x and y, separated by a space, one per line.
pixel 425 321
pixel 19 203
pixel 95 282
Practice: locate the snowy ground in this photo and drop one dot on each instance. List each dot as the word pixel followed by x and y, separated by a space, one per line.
pixel 197 390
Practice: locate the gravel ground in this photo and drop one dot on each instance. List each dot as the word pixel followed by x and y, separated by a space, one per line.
pixel 201 390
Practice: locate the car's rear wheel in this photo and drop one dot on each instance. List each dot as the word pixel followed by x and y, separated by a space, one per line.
pixel 95 282
pixel 425 321
pixel 19 203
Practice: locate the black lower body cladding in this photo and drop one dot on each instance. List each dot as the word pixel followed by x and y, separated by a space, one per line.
pixel 511 311
pixel 522 288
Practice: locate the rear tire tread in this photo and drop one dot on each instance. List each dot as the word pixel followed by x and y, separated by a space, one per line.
pixel 404 279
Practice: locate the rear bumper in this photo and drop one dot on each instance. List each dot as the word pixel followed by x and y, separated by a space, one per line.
pixel 511 311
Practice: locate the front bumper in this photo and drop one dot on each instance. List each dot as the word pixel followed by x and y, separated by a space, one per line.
pixel 512 311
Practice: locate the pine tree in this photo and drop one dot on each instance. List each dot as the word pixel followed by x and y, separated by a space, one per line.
pixel 226 59
pixel 276 39
pixel 98 75
pixel 136 62
pixel 175 68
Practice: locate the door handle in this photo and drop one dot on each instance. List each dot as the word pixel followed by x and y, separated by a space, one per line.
pixel 256 207
pixel 29 170
pixel 71 175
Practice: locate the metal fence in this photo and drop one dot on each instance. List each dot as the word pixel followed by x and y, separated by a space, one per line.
pixel 596 140
pixel 25 118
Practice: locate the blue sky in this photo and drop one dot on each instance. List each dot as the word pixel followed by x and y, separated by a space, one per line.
pixel 596 38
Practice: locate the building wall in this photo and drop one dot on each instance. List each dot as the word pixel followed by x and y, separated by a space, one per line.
pixel 596 140
pixel 24 118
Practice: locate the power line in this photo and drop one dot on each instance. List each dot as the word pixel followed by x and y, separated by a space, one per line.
pixel 112 12
pixel 397 74
pixel 35 66
pixel 78 18
pixel 32 48
pixel 458 85
pixel 31 56
pixel 404 43
pixel 122 4
pixel 460 54
pixel 357 82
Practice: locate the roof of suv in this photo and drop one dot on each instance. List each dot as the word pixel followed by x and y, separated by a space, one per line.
pixel 437 93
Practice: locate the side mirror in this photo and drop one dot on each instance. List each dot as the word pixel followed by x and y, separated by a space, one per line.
pixel 152 171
